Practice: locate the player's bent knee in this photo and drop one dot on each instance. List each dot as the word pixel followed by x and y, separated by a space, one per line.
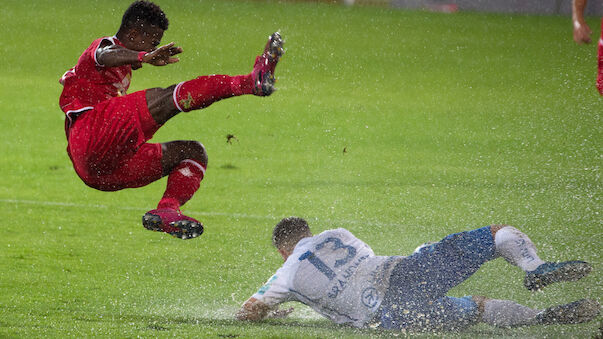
pixel 480 301
pixel 174 152
pixel 496 227
pixel 199 153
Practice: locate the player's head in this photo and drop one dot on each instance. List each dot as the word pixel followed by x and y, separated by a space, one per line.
pixel 142 26
pixel 288 232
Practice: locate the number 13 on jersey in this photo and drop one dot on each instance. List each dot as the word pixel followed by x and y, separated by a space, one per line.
pixel 320 265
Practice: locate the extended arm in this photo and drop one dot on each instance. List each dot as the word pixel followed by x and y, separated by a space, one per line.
pixel 110 55
pixel 581 30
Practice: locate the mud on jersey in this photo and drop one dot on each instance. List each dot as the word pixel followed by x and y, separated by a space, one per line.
pixel 336 274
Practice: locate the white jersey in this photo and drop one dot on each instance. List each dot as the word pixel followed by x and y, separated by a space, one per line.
pixel 336 274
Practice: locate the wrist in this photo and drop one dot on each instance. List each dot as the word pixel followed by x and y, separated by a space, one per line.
pixel 141 56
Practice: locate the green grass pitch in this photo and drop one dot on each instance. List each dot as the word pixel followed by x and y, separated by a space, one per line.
pixel 400 126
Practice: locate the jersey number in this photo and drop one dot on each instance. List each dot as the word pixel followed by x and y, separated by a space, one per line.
pixel 320 265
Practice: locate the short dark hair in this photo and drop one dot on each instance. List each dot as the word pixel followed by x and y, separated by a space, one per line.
pixel 289 231
pixel 144 12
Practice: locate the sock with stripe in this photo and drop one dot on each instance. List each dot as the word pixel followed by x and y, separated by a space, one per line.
pixel 182 183
pixel 205 90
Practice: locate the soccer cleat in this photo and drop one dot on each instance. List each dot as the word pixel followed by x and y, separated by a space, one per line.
pixel 274 49
pixel 551 272
pixel 573 313
pixel 172 222
pixel 263 81
pixel 263 69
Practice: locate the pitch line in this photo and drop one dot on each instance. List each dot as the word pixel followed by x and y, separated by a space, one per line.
pixel 340 222
pixel 127 208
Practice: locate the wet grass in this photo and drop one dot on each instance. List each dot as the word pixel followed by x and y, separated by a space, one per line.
pixel 400 126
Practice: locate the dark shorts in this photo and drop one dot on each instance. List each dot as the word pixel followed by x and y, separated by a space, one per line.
pixel 108 144
pixel 416 298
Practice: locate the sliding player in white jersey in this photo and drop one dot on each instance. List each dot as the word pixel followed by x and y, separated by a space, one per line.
pixel 335 273
pixel 340 277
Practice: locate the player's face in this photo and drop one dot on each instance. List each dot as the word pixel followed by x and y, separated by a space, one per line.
pixel 145 38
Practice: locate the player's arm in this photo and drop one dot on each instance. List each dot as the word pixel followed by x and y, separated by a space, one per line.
pixel 110 55
pixel 581 30
pixel 255 310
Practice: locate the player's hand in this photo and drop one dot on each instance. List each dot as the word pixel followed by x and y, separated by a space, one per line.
pixel 163 55
pixel 278 313
pixel 582 33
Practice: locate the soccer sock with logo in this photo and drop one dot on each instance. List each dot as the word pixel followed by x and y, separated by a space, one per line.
pixel 517 248
pixel 507 313
pixel 182 183
pixel 205 90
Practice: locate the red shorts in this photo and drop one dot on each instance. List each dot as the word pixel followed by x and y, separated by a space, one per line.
pixel 108 144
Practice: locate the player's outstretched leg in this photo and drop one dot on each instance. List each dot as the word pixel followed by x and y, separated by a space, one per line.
pixel 518 249
pixel 205 90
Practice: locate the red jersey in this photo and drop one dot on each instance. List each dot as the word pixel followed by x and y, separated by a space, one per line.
pixel 88 82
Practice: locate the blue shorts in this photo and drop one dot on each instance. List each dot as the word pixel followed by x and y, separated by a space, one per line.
pixel 416 298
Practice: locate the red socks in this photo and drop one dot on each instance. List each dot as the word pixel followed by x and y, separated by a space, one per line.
pixel 205 90
pixel 182 183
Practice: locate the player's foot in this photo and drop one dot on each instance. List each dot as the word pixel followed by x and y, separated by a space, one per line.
pixel 551 272
pixel 274 49
pixel 263 69
pixel 172 222
pixel 573 313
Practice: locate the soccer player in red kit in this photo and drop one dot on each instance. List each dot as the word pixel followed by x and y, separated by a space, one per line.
pixel 107 130
pixel 582 35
